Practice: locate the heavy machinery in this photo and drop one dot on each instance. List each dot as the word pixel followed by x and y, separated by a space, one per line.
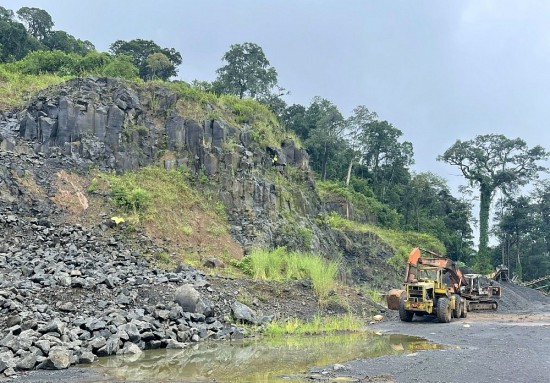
pixel 435 285
pixel 480 293
pixel 432 286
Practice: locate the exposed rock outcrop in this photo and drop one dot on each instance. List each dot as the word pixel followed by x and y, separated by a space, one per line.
pixel 116 125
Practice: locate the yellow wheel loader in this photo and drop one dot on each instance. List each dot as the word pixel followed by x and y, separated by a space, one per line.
pixel 432 287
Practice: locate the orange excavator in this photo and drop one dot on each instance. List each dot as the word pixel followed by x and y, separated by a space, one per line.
pixel 432 286
pixel 435 285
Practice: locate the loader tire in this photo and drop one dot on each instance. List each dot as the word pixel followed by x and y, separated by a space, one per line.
pixel 444 310
pixel 464 310
pixel 404 315
pixel 456 310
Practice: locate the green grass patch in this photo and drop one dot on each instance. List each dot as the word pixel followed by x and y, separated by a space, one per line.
pixel 168 207
pixel 402 242
pixel 16 88
pixel 319 325
pixel 364 205
pixel 373 293
pixel 280 265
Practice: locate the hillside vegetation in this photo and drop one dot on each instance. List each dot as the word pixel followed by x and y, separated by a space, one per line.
pixel 361 164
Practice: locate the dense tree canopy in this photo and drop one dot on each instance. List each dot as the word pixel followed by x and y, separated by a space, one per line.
pixel 39 22
pixel 62 41
pixel 491 162
pixel 247 72
pixel 15 42
pixel 156 66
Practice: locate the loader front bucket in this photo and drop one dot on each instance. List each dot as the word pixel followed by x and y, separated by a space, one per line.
pixel 393 297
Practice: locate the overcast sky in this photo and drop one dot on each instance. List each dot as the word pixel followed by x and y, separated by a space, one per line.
pixel 437 70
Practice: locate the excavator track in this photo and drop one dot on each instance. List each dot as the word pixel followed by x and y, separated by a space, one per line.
pixel 479 306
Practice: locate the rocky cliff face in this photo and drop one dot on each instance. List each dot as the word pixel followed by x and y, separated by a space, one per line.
pixel 114 125
pixel 69 292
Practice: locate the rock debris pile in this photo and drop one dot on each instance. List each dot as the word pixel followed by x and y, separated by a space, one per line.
pixel 68 295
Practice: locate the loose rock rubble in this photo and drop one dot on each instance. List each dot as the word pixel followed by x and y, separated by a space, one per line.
pixel 69 294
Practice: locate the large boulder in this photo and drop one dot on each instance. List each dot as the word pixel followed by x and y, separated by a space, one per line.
pixel 242 313
pixel 191 301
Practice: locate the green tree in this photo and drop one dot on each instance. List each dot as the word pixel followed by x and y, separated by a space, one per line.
pixel 356 125
pixel 247 72
pixel 517 222
pixel 385 158
pixel 6 14
pixel 293 119
pixel 38 62
pixel 39 22
pixel 523 228
pixel 121 67
pixel 139 50
pixel 326 138
pixel 15 42
pixel 158 66
pixel 491 162
pixel 62 41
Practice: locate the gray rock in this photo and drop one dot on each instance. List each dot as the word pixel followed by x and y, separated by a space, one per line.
pixel 43 345
pixel 68 307
pixel 86 357
pixel 97 343
pixel 27 363
pixel 132 331
pixel 174 344
pixel 9 372
pixel 96 324
pixel 242 313
pixel 13 320
pixel 6 360
pixel 187 297
pixel 56 325
pixel 58 359
pixel 130 349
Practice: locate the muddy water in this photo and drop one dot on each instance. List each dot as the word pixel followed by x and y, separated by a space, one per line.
pixel 255 361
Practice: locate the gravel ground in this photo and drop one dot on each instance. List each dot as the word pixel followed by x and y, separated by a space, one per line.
pixel 485 347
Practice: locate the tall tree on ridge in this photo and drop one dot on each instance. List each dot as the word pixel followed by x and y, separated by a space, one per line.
pixel 490 162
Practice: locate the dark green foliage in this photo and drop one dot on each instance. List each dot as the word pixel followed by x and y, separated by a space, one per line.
pixel 130 197
pixel 17 39
pixel 293 119
pixel 57 62
pixel 15 42
pixel 429 207
pixel 493 162
pixel 62 41
pixel 141 50
pixel 121 67
pixel 72 64
pixel 39 22
pixel 523 229
pixel 363 204
pixel 247 72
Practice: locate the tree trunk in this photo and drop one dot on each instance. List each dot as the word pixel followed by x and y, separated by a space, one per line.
pixel 325 160
pixel 349 172
pixel 519 269
pixel 483 262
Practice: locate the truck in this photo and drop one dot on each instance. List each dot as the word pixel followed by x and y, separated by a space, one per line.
pixel 435 285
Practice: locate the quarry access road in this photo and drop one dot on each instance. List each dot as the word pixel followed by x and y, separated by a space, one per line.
pixel 484 347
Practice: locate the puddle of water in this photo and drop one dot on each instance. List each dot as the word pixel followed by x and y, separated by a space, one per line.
pixel 257 361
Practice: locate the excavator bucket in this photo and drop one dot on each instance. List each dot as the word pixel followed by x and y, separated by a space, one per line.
pixel 393 297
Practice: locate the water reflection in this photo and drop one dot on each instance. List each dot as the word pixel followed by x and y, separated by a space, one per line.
pixel 257 361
